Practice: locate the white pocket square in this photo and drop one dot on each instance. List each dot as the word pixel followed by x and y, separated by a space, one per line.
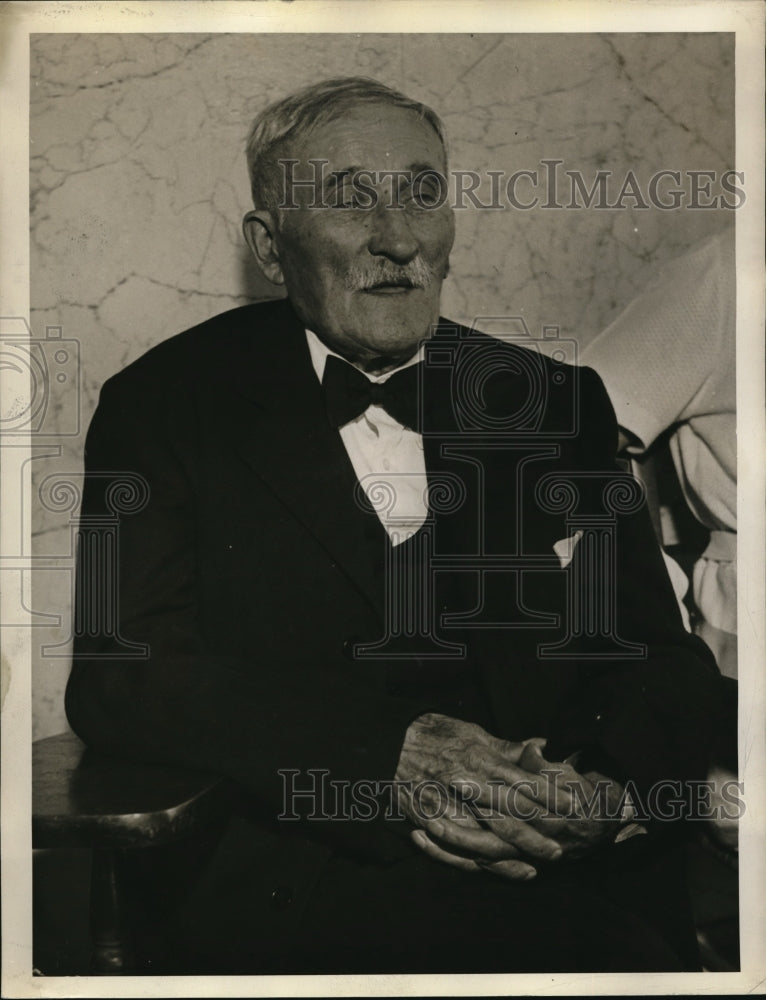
pixel 565 547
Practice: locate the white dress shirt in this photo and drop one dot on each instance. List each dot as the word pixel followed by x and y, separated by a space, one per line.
pixel 387 457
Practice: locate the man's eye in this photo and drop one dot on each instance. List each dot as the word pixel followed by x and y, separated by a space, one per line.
pixel 350 196
pixel 426 195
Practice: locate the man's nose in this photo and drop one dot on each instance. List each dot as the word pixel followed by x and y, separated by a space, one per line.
pixel 391 235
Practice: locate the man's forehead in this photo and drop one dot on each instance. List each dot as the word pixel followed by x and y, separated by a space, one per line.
pixel 375 137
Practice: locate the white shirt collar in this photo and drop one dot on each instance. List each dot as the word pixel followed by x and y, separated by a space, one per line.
pixel 320 351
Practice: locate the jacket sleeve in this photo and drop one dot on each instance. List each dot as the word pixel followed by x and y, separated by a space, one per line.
pixel 653 710
pixel 180 701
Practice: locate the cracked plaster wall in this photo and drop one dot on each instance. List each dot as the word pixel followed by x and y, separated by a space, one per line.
pixel 138 185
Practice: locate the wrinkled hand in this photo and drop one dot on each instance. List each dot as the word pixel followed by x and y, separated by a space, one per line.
pixel 484 803
pixel 584 810
pixel 468 795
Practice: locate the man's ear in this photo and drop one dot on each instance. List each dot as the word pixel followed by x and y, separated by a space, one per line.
pixel 259 230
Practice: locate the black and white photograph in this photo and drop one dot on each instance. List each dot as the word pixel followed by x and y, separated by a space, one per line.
pixel 382 409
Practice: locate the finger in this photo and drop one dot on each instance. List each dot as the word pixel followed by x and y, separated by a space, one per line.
pixel 517 871
pixel 594 797
pixel 533 751
pixel 426 807
pixel 500 783
pixel 470 842
pixel 539 840
pixel 533 801
pixel 438 854
pixel 550 788
pixel 517 792
pixel 505 838
pixel 512 752
pixel 547 824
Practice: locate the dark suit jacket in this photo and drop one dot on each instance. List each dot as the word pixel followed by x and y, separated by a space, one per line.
pixel 252 574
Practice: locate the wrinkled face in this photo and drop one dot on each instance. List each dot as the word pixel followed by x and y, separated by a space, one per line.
pixel 364 264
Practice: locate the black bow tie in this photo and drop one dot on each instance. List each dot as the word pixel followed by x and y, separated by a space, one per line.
pixel 348 392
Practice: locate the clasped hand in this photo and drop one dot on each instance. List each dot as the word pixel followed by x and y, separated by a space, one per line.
pixel 481 803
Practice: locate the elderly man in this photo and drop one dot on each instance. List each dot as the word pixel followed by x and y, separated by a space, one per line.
pixel 385 573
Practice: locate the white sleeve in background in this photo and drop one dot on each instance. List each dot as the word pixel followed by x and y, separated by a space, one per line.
pixel 668 363
pixel 657 357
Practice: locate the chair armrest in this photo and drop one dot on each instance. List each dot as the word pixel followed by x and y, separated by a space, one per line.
pixel 85 799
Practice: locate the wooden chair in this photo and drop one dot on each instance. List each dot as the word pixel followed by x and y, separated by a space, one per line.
pixel 119 811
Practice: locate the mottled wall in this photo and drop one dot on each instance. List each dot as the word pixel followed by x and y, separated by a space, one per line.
pixel 138 186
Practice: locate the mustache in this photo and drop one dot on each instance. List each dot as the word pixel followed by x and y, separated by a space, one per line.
pixel 415 274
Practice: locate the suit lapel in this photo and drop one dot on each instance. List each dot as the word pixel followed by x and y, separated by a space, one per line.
pixel 282 433
pixel 279 427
